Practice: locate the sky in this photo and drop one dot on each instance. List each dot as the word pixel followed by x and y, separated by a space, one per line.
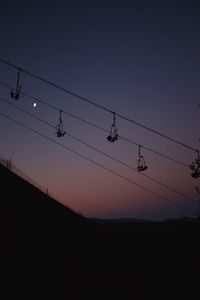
pixel 139 59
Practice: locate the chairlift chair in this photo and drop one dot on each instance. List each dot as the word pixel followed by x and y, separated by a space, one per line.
pixel 60 132
pixel 113 136
pixel 16 94
pixel 141 165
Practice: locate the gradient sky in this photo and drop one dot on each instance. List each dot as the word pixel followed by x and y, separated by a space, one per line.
pixel 138 58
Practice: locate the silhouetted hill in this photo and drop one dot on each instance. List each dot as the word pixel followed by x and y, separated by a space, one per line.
pixel 52 252
pixel 122 220
pixel 30 216
pixel 41 239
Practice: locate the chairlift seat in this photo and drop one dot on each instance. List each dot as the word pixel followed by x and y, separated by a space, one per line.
pixel 60 133
pixel 112 139
pixel 142 168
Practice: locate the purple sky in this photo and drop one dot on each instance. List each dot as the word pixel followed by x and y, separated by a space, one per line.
pixel 138 58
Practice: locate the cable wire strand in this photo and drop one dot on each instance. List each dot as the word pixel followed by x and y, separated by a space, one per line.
pixel 101 166
pixel 98 127
pixel 107 155
pixel 99 106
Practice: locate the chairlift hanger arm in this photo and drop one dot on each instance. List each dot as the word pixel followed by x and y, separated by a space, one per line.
pixel 18 76
pixel 16 93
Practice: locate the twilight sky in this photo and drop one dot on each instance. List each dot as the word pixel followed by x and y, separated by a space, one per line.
pixel 138 58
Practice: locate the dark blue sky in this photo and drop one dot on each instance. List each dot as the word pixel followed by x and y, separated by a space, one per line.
pixel 138 58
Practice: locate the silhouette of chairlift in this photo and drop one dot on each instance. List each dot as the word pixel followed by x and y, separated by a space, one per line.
pixel 113 136
pixel 141 165
pixel 195 167
pixel 60 132
pixel 16 94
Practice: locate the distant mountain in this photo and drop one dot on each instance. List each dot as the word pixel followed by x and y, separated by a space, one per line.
pixel 182 219
pixel 122 220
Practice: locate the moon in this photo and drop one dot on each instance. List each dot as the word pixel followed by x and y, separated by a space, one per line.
pixel 34 104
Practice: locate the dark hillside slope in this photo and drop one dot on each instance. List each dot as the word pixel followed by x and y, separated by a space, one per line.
pixel 29 204
pixel 37 232
pixel 50 251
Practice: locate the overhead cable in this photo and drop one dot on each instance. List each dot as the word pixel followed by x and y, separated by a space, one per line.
pixel 97 126
pixel 105 154
pixel 98 105
pixel 100 165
